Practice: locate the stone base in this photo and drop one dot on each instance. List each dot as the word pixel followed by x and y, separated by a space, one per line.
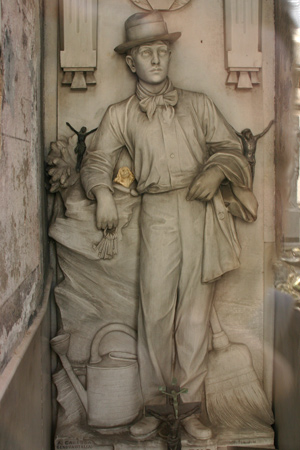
pixel 123 441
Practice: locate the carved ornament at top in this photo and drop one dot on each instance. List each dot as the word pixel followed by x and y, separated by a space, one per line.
pixel 243 42
pixel 78 36
pixel 162 5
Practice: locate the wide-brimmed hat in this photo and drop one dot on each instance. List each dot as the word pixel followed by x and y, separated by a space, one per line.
pixel 142 28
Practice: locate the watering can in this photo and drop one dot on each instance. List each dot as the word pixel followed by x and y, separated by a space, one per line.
pixel 113 396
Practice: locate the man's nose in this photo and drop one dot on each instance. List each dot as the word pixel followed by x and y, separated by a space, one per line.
pixel 155 57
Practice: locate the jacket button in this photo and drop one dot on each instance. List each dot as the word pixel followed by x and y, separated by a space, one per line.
pixel 172 155
pixel 221 215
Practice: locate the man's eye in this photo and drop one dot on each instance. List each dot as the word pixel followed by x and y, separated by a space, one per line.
pixel 145 53
pixel 162 51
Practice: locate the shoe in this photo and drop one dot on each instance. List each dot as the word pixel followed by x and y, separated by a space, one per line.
pixel 196 429
pixel 144 428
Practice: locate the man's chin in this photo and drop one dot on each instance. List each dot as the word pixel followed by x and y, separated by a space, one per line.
pixel 157 80
pixel 155 83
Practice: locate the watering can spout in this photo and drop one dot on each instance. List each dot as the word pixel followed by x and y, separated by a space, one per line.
pixel 60 344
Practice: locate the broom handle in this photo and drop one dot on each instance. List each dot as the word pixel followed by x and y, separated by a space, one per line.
pixel 220 339
pixel 214 321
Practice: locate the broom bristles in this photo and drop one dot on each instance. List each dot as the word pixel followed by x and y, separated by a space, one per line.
pixel 241 407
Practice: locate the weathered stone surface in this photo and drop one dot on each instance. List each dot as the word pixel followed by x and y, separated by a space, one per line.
pixel 18 312
pixel 25 388
pixel 21 265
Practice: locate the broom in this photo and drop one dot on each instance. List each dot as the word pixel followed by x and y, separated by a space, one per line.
pixel 235 398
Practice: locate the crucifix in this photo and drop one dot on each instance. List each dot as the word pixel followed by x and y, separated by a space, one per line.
pixel 81 145
pixel 173 412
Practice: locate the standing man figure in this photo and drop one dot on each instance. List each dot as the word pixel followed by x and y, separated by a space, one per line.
pixel 193 177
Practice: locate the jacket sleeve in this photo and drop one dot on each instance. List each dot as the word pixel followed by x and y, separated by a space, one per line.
pixel 226 152
pixel 101 157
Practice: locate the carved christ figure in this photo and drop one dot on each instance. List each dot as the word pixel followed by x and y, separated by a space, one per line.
pixel 192 176
pixel 249 144
pixel 81 145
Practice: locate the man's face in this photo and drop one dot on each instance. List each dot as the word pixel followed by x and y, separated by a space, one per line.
pixel 150 62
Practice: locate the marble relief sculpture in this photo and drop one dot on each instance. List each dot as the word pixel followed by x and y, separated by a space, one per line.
pixel 143 233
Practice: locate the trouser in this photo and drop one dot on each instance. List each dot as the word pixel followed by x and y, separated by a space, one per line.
pixel 174 304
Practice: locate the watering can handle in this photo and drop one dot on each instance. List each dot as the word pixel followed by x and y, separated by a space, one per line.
pixel 122 356
pixel 95 357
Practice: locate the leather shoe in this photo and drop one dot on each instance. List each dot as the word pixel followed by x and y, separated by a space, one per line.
pixel 196 429
pixel 144 428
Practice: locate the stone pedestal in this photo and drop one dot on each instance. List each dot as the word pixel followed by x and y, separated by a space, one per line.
pixel 123 441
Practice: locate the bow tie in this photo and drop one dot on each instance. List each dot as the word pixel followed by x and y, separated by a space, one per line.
pixel 167 99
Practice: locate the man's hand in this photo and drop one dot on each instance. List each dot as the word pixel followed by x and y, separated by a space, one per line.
pixel 205 185
pixel 106 211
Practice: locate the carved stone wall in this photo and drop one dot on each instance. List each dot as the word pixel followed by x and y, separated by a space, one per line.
pixel 25 403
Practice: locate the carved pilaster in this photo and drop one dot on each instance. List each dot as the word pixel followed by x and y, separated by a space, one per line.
pixel 78 38
pixel 243 42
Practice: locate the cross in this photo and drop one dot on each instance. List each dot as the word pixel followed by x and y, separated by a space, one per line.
pixel 173 412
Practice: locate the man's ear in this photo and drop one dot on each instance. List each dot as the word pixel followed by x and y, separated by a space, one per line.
pixel 130 62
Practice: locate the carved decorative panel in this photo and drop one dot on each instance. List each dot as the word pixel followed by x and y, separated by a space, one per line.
pixel 243 42
pixel 78 29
